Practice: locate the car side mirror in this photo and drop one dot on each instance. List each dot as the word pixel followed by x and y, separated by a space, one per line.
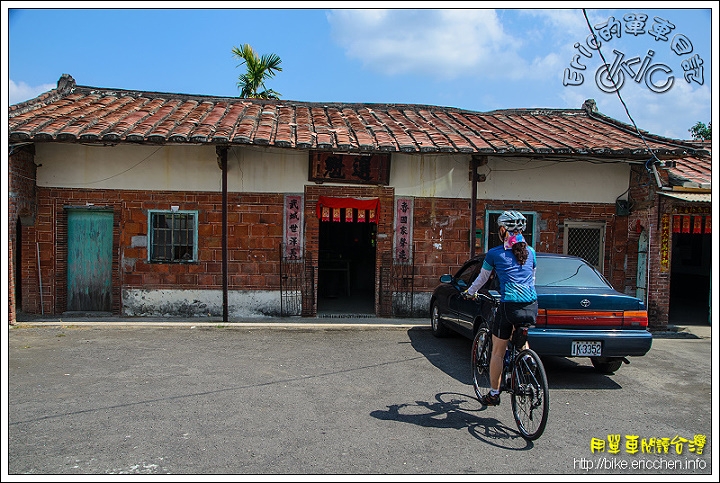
pixel 446 278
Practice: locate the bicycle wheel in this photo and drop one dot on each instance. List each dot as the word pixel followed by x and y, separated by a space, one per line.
pixel 480 361
pixel 530 401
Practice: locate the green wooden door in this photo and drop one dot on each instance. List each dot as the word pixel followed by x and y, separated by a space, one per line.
pixel 89 260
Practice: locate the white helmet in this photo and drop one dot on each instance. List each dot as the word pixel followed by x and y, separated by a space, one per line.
pixel 512 221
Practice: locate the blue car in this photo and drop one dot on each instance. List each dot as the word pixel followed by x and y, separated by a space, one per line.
pixel 579 313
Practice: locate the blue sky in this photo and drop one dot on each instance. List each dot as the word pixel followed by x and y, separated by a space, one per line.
pixel 470 58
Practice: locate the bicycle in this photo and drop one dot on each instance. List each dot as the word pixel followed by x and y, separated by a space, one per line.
pixel 523 375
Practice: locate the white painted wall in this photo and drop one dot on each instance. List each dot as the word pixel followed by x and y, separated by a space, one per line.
pixel 173 168
pixel 514 179
pixel 128 167
pixel 258 170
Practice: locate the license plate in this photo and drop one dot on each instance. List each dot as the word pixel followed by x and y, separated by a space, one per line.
pixel 586 348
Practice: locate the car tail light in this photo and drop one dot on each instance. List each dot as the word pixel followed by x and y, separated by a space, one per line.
pixel 592 318
pixel 541 319
pixel 635 318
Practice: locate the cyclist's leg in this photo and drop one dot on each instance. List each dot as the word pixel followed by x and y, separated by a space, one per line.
pixel 496 362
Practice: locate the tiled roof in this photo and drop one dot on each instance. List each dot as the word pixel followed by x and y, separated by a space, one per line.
pixel 693 171
pixel 80 114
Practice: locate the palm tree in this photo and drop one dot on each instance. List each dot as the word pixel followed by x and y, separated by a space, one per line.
pixel 258 70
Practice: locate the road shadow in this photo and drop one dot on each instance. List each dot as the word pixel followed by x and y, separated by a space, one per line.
pixel 451 354
pixel 451 410
pixel 575 373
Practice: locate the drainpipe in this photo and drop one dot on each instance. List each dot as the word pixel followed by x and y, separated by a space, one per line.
pixel 222 161
pixel 475 178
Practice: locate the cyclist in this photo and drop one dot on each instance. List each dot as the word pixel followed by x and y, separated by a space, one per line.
pixel 514 263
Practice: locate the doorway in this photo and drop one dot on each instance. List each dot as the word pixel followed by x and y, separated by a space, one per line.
pixel 346 267
pixel 690 279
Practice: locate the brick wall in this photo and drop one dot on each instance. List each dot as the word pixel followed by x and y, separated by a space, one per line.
pixel 441 237
pixel 21 216
pixel 645 217
pixel 254 234
pixel 445 223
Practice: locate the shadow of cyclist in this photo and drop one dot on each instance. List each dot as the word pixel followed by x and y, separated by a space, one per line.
pixel 456 411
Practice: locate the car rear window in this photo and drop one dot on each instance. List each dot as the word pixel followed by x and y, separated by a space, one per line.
pixel 566 272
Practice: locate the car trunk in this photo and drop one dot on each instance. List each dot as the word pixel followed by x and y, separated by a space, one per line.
pixel 576 308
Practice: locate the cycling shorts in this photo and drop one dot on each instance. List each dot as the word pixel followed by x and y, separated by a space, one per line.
pixel 511 314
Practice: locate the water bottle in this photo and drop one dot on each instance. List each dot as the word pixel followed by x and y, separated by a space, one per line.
pixel 506 361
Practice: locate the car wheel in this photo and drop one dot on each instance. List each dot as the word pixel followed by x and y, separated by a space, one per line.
pixel 437 326
pixel 606 365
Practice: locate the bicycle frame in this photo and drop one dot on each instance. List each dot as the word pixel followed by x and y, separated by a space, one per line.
pixel 528 387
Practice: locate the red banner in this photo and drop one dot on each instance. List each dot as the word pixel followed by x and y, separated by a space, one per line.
pixel 697 224
pixel 686 224
pixel 328 207
pixel 677 220
pixel 707 224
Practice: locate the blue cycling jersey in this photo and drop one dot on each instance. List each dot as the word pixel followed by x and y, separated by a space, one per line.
pixel 517 282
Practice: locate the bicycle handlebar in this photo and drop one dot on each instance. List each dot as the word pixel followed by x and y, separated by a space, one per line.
pixel 483 294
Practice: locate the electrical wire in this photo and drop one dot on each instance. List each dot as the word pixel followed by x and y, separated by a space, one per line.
pixel 617 91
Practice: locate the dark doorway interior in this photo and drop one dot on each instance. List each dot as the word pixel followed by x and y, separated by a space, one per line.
pixel 346 267
pixel 17 269
pixel 690 279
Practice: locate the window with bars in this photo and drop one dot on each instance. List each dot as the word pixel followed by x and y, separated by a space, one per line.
pixel 173 236
pixel 492 239
pixel 585 240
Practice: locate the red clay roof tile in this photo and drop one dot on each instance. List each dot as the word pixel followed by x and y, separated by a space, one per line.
pixel 73 113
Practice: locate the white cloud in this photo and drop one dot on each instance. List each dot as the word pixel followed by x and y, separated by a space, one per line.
pixel 444 44
pixel 20 91
pixel 447 44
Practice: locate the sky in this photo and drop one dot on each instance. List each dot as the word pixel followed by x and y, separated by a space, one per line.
pixel 479 59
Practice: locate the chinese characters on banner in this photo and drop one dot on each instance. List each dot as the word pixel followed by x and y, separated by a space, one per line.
pixel 696 224
pixel 356 209
pixel 292 227
pixel 665 243
pixel 686 224
pixel 690 221
pixel 403 228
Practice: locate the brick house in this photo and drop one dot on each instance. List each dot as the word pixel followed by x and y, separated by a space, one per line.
pixel 158 204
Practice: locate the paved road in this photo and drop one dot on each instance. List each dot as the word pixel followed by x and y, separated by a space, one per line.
pixel 367 399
